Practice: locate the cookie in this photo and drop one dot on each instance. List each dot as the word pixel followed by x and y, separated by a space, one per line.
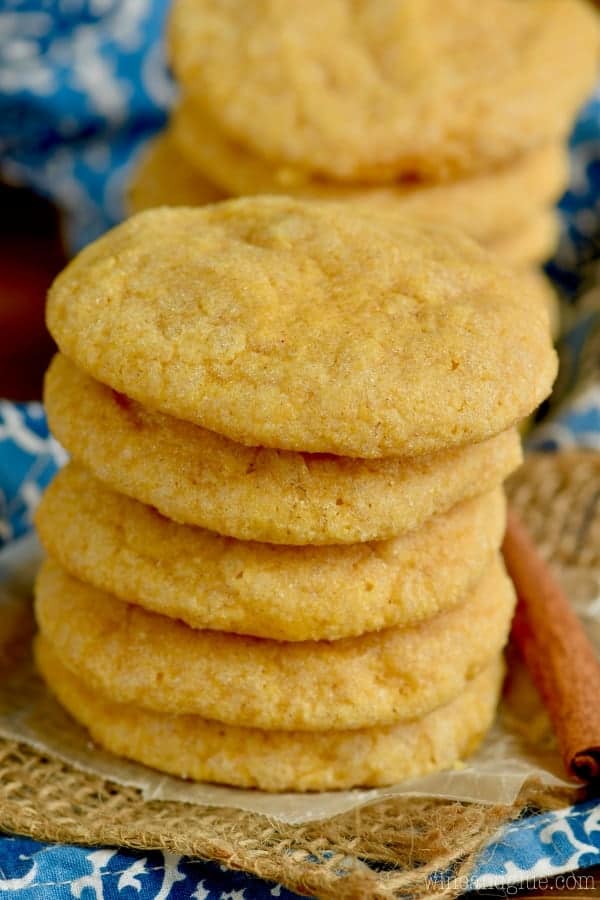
pixel 197 477
pixel 484 206
pixel 162 178
pixel 531 244
pixel 283 593
pixel 306 326
pixel 387 88
pixel 541 286
pixel 196 748
pixel 131 655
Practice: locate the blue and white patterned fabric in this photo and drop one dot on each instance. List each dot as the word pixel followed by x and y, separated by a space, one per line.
pixel 83 83
pixel 29 457
pixel 573 419
pixel 538 847
pixel 573 416
pixel 528 851
pixel 33 871
pixel 580 206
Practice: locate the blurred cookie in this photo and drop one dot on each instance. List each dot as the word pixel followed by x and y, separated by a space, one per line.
pixel 541 287
pixel 133 656
pixel 531 244
pixel 202 750
pixel 195 476
pixel 386 88
pixel 162 178
pixel 306 326
pixel 483 206
pixel 284 593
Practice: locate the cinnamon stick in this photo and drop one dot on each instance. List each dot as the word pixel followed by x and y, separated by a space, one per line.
pixel 563 663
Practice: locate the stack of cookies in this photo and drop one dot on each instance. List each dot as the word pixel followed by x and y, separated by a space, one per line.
pixel 457 112
pixel 273 557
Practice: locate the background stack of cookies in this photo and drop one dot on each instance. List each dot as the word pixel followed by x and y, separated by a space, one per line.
pixel 457 112
pixel 274 556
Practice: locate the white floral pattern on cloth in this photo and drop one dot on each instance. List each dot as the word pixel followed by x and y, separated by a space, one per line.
pixel 29 457
pixel 541 846
pixel 83 84
pixel 30 870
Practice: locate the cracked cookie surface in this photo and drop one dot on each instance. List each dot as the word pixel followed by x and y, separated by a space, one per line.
pixel 307 326
pixel 198 477
pixel 134 656
pixel 279 592
pixel 191 747
pixel 379 88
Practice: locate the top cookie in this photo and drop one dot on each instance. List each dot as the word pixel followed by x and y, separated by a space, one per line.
pixel 382 88
pixel 306 326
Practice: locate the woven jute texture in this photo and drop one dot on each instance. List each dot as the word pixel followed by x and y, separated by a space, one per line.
pixel 387 850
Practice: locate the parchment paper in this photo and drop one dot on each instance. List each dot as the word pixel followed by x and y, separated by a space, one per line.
pixel 520 745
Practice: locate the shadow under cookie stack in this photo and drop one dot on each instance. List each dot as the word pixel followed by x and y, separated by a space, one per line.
pixel 456 112
pixel 274 556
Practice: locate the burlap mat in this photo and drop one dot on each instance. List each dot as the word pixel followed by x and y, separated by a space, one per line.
pixel 390 849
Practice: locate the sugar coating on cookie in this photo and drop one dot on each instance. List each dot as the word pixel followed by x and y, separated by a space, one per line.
pixel 383 88
pixel 196 748
pixel 306 326
pixel 197 477
pixel 134 656
pixel 484 206
pixel 279 592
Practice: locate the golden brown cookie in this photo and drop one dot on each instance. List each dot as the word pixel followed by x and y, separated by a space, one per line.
pixel 195 476
pixel 283 593
pixel 541 286
pixel 530 245
pixel 484 206
pixel 133 656
pixel 202 750
pixel 306 326
pixel 383 88
pixel 162 178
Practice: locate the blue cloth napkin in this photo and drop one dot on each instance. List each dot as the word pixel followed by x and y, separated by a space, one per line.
pixel 83 84
pixel 528 852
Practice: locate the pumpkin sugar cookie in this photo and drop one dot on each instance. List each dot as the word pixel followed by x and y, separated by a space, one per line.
pixel 134 656
pixel 197 477
pixel 203 750
pixel 278 592
pixel 316 327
